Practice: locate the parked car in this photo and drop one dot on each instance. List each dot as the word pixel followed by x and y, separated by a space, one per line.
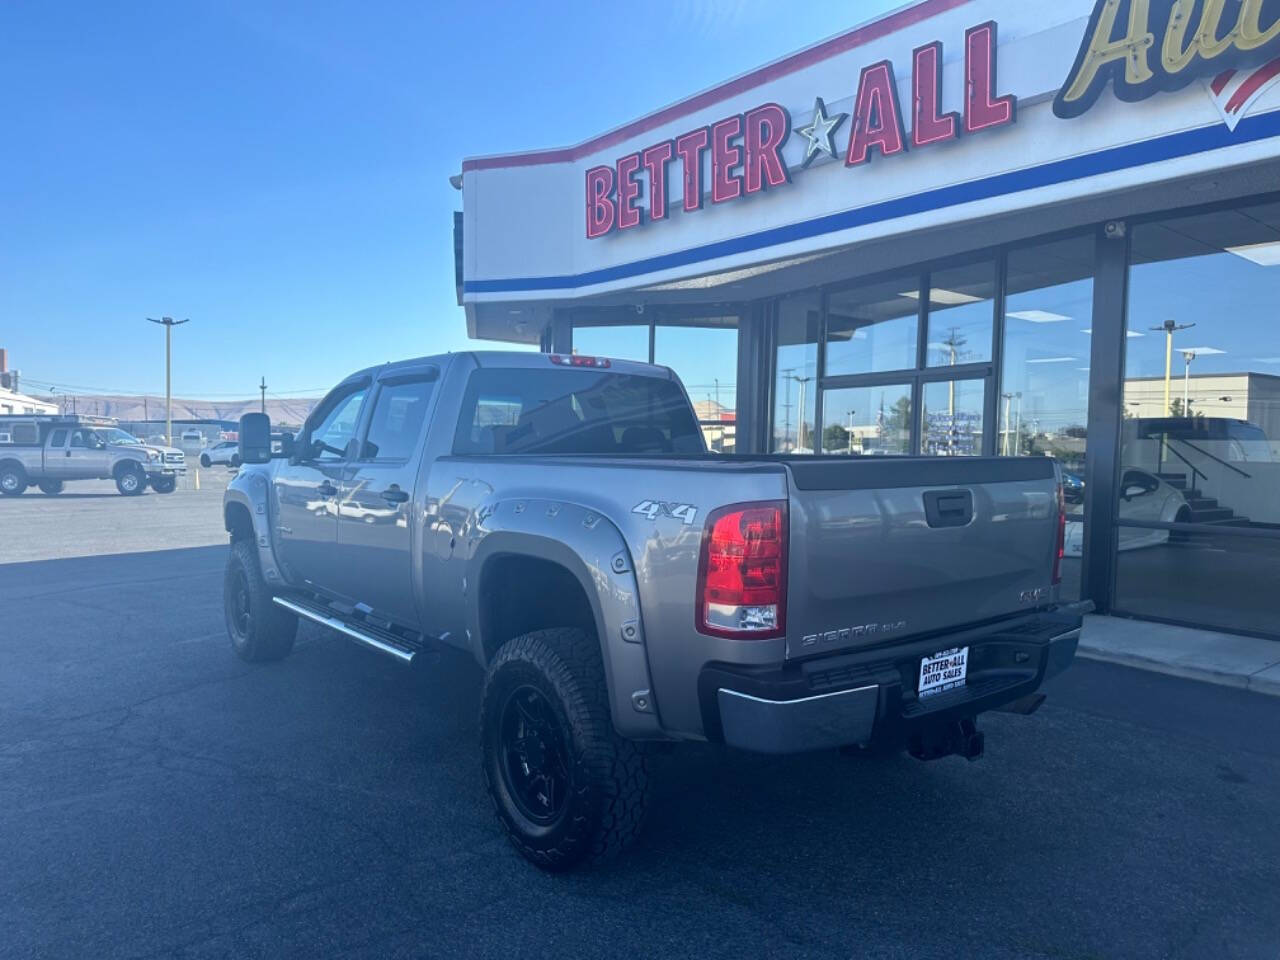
pixel 560 519
pixel 191 438
pixel 228 452
pixel 47 451
pixel 1143 497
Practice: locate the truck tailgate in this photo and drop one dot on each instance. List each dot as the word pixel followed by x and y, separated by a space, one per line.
pixel 886 549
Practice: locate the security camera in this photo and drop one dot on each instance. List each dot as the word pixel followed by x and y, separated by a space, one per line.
pixel 640 309
pixel 1114 229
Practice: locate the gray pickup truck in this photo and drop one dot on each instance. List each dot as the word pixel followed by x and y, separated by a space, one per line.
pixel 47 451
pixel 558 518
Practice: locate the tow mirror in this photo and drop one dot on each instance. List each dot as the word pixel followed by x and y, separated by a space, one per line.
pixel 255 438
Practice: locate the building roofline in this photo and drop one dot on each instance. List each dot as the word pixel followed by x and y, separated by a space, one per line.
pixel 858 36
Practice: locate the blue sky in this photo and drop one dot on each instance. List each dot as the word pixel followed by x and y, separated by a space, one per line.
pixel 278 172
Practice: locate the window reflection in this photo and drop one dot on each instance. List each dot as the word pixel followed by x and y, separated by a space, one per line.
pixel 705 357
pixel 961 314
pixel 1044 401
pixel 619 343
pixel 951 418
pixel 873 329
pixel 873 421
pixel 795 393
pixel 1202 419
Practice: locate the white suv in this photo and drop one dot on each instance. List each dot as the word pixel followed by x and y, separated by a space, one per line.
pixel 228 452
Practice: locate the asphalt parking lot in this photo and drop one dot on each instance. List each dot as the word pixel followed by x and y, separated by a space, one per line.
pixel 162 799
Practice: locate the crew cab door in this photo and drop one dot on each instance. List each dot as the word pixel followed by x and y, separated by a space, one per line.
pixel 375 509
pixel 307 488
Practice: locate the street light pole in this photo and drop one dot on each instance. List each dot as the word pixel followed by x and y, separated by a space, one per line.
pixel 1188 356
pixel 263 387
pixel 1170 327
pixel 168 323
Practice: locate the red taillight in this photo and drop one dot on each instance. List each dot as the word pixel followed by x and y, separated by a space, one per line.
pixel 577 360
pixel 1062 537
pixel 742 572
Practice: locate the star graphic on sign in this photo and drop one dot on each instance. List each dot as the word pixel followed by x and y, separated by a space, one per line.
pixel 820 132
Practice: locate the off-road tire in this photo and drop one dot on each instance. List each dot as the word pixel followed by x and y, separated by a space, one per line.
pixel 205 461
pixel 51 488
pixel 13 480
pixel 131 481
pixel 608 780
pixel 164 485
pixel 235 461
pixel 269 630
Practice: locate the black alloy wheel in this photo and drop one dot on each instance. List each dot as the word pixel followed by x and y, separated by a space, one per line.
pixel 565 786
pixel 259 629
pixel 240 606
pixel 535 756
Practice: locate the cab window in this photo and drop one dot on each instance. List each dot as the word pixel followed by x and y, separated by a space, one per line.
pixel 58 438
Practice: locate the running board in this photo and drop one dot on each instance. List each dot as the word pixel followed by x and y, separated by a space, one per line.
pixel 365 636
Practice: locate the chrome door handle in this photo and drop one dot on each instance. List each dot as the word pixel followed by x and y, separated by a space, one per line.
pixel 395 495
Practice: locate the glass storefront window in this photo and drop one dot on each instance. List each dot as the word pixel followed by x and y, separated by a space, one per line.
pixel 1043 405
pixel 951 418
pixel 961 314
pixel 1044 389
pixel 706 360
pixel 873 421
pixel 1199 509
pixel 795 390
pixel 618 343
pixel 873 329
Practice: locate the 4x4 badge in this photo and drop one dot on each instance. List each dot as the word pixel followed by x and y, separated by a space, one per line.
pixel 685 512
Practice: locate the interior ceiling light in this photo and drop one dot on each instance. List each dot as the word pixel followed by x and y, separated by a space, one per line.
pixel 1131 334
pixel 1263 254
pixel 1038 316
pixel 948 298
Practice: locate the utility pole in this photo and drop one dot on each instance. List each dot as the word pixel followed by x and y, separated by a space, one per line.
pixel 851 413
pixel 786 405
pixel 263 387
pixel 1170 327
pixel 802 381
pixel 168 323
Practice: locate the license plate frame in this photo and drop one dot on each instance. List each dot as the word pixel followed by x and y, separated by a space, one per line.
pixel 943 671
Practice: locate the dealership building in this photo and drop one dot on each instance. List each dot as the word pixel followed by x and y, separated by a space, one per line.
pixel 1001 227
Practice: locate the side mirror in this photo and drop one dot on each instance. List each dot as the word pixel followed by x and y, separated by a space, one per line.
pixel 1134 491
pixel 255 438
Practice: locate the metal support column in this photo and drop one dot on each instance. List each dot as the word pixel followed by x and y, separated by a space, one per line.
pixel 1106 412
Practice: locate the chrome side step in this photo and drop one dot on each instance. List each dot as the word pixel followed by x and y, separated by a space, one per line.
pixel 403 654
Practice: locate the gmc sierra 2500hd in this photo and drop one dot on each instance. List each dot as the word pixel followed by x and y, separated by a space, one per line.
pixel 559 518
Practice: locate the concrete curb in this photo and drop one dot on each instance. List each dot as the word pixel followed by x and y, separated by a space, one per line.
pixel 1229 661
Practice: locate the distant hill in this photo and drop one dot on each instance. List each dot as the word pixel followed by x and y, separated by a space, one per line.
pixel 283 410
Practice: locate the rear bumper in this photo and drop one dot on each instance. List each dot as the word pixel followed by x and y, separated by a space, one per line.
pixel 869 697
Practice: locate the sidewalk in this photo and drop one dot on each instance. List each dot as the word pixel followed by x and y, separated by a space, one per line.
pixel 1245 662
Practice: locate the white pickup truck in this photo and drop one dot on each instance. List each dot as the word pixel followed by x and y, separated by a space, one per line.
pixel 47 451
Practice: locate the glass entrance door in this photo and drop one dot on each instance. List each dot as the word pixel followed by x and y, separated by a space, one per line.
pixel 1198 534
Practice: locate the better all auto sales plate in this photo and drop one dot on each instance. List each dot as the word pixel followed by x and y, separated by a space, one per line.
pixel 943 671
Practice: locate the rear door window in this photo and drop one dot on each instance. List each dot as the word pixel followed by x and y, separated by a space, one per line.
pixel 58 439
pixel 532 411
pixel 397 419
